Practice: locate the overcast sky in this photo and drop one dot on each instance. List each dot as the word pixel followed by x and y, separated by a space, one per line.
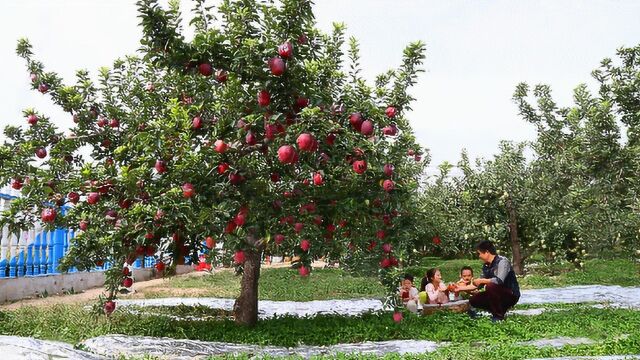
pixel 477 51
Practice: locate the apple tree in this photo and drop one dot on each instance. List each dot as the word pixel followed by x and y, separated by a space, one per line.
pixel 254 134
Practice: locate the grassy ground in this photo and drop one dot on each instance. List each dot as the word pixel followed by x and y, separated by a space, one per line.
pixel 616 331
pixel 275 284
pixel 285 284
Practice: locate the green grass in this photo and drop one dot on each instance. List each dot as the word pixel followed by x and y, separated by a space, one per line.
pixel 282 284
pixel 73 324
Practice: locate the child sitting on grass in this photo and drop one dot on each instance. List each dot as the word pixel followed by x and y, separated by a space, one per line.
pixel 408 293
pixel 465 282
pixel 437 291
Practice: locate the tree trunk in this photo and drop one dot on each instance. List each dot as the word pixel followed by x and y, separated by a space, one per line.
pixel 518 260
pixel 245 308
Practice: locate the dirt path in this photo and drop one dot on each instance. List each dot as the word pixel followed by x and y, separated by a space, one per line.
pixel 92 294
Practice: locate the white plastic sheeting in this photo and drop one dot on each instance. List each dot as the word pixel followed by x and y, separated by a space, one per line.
pixel 113 345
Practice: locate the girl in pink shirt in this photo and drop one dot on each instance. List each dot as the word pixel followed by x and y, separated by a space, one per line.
pixel 436 290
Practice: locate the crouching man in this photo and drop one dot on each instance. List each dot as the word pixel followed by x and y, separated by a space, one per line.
pixel 499 281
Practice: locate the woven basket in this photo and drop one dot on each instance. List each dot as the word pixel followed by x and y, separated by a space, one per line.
pixel 460 306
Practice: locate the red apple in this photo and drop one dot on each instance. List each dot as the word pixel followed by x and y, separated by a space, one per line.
pixel 73 197
pixel 277 66
pixel 390 112
pixel 149 236
pixel 43 88
pixel 285 50
pixel 360 166
pixel 302 102
pixel 161 166
pixel 239 257
pixel 388 185
pixel 210 242
pixel 279 239
pixel 84 224
pixel 366 128
pixel 303 271
pixel 390 130
pixel 196 123
pixel 397 317
pixel 126 271
pixel 222 168
pixel 124 203
pixel 330 139
pixel 356 120
pixel 240 219
pixel 160 266
pixel 287 154
pixel 41 152
pixel 250 139
pixel 93 198
pixel 235 178
pixel 221 76
pixel 298 227
pixel 205 69
pixel 305 245
pixel 16 184
pixel 48 215
pixel 317 179
pixel 385 263
pixel 102 121
pixel 380 234
pixel 32 119
pixel 275 177
pixel 386 247
pixel 127 282
pixel 436 240
pixel 109 307
pixel 231 227
pixel 187 190
pixel 264 98
pixel 220 146
pixel 306 142
pixel 388 170
pixel 33 77
pixel 393 260
pixel 114 123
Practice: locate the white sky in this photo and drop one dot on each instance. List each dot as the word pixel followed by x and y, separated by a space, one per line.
pixel 477 51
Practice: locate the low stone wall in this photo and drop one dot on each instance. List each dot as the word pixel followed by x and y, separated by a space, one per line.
pixel 35 286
